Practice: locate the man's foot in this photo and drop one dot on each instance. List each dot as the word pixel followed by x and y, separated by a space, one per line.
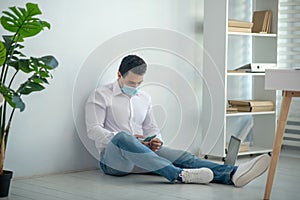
pixel 248 171
pixel 199 175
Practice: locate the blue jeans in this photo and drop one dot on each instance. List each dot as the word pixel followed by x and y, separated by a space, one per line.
pixel 124 153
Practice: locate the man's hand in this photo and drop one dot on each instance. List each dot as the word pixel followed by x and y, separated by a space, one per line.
pixel 155 144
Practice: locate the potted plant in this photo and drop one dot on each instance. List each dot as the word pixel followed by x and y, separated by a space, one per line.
pixel 22 23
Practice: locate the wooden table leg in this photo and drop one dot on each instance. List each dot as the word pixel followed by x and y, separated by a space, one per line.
pixel 284 110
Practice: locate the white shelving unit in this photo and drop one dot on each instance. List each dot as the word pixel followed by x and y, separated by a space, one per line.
pixel 228 51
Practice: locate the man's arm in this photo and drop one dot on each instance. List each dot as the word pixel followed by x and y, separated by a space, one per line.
pixel 150 128
pixel 95 113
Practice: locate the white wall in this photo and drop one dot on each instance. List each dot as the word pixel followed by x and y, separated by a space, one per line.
pixel 44 138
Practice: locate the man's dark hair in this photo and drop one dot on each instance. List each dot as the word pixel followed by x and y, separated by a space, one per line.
pixel 134 63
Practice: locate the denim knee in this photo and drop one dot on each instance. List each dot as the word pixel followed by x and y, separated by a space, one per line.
pixel 121 136
pixel 111 171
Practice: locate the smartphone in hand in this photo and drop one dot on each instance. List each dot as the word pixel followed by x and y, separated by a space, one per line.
pixel 148 139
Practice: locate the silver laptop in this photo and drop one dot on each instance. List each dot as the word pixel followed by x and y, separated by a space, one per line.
pixel 232 151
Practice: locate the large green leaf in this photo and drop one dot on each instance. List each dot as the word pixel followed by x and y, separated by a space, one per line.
pixel 13 46
pixel 18 102
pixel 22 21
pixel 50 62
pixel 38 79
pixel 29 86
pixel 39 65
pixel 21 64
pixel 2 53
pixel 9 39
pixel 12 98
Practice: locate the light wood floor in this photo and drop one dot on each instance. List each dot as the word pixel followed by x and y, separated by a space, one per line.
pixel 92 185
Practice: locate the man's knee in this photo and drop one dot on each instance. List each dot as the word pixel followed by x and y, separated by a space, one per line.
pixel 122 136
pixel 111 171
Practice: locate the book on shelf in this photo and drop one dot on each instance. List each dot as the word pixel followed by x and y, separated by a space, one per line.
pixel 244 146
pixel 251 103
pixel 269 20
pixel 235 71
pixel 231 110
pixel 239 26
pixel 262 21
pixel 239 29
pixel 254 108
pixel 238 23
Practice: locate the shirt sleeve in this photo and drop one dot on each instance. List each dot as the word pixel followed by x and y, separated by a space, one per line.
pixel 149 125
pixel 95 113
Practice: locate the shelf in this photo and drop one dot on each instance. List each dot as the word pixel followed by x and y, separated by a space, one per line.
pixel 255 150
pixel 249 113
pixel 245 74
pixel 254 34
pixel 227 51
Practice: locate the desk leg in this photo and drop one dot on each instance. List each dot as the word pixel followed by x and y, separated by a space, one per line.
pixel 284 110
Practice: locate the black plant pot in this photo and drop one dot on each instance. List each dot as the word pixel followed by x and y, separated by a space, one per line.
pixel 5 180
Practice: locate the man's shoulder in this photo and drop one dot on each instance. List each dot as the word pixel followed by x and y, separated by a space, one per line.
pixel 144 95
pixel 102 90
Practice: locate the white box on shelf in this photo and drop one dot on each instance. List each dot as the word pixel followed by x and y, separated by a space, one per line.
pixel 257 67
pixel 261 67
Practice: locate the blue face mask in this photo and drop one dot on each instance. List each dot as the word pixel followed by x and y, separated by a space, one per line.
pixel 129 90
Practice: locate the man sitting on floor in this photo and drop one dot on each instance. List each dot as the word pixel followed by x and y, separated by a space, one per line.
pixel 119 116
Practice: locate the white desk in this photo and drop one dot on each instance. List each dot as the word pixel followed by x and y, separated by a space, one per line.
pixel 287 80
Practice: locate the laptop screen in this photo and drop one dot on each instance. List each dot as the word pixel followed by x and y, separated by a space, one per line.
pixel 233 150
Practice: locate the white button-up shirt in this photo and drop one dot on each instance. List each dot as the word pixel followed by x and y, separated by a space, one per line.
pixel 109 111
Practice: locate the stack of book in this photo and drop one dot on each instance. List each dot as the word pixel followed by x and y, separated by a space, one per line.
pixel 252 105
pixel 245 146
pixel 231 110
pixel 239 26
pixel 262 21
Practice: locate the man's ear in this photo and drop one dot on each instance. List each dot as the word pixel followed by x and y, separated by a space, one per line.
pixel 119 75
